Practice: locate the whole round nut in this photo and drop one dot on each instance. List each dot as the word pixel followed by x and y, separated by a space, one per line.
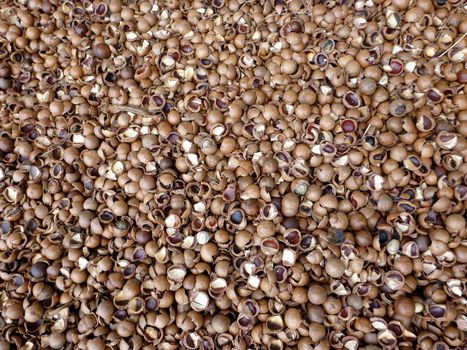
pixel 101 50
pixel 334 267
pixel 290 203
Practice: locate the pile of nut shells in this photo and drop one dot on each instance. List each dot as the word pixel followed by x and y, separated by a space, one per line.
pixel 233 174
